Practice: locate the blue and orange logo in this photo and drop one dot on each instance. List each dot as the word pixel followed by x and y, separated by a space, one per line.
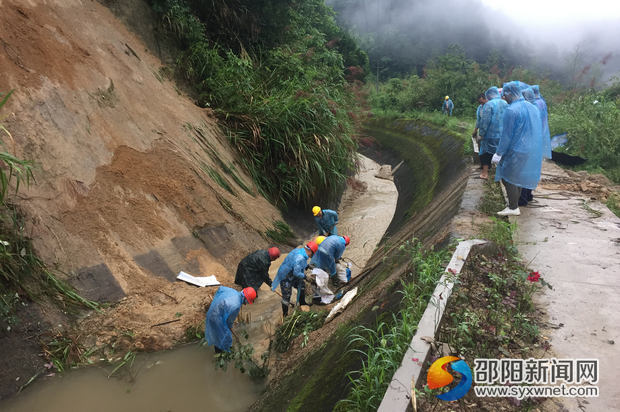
pixel 438 377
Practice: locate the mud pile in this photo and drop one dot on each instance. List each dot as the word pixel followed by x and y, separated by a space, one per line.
pixel 134 184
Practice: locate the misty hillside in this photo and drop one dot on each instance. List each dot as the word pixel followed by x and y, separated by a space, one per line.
pixel 401 35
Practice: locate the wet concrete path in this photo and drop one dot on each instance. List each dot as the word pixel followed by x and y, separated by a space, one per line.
pixel 578 251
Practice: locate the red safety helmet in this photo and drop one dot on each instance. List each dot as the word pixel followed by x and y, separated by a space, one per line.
pixel 347 240
pixel 250 294
pixel 274 253
pixel 313 246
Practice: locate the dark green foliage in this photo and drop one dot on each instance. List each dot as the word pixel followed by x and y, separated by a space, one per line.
pixel 281 233
pixel 274 71
pixel 593 128
pixel 299 323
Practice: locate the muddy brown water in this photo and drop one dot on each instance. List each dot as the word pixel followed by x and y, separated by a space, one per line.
pixel 184 379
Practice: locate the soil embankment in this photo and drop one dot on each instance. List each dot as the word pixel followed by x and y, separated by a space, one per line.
pixel 135 182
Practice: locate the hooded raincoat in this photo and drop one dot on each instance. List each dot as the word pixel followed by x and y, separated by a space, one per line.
pixel 520 145
pixel 327 222
pixel 490 128
pixel 329 251
pixel 253 270
pixel 222 313
pixel 295 265
pixel 447 107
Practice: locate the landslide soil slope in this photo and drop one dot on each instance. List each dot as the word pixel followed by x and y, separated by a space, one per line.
pixel 123 181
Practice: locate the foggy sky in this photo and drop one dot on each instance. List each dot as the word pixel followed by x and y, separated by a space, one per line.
pixel 541 34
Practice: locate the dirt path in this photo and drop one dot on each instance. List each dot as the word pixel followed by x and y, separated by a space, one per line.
pixel 575 246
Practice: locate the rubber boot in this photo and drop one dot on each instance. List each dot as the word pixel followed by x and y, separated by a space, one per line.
pixel 302 299
pixel 285 309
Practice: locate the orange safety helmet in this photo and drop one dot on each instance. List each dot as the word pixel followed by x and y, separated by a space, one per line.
pixel 274 253
pixel 250 294
pixel 347 240
pixel 313 246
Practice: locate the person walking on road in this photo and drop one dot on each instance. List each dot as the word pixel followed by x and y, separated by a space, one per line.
pixel 490 128
pixel 326 220
pixel 291 274
pixel 447 106
pixel 253 270
pixel 519 153
pixel 221 315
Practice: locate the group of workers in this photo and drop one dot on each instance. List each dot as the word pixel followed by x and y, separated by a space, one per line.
pixel 512 124
pixel 253 270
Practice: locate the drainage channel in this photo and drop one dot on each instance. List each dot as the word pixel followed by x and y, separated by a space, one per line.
pixel 185 378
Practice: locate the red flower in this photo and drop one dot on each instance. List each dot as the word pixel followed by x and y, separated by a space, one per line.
pixel 533 277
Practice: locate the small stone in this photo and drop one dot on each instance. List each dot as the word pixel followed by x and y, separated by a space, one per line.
pixel 611 342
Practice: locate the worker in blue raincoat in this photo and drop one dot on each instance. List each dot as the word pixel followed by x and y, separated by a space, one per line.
pixel 447 106
pixel 530 97
pixel 326 220
pixel 482 99
pixel 490 128
pixel 329 253
pixel 292 273
pixel 544 115
pixel 519 153
pixel 222 313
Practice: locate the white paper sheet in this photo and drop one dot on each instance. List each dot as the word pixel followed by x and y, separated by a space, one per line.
pixel 202 281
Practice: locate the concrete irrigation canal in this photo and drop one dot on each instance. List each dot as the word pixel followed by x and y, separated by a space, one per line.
pixel 417 201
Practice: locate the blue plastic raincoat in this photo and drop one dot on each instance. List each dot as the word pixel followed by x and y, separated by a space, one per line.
pixel 491 124
pixel 478 116
pixel 329 251
pixel 544 116
pixel 295 264
pixel 447 106
pixel 329 219
pixel 537 93
pixel 222 313
pixel 520 145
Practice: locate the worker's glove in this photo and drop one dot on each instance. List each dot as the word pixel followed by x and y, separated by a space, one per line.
pixel 311 278
pixel 496 159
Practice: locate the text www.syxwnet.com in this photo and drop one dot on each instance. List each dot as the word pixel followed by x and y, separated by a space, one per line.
pixel 521 392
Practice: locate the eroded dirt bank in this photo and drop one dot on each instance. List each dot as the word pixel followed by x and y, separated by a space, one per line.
pixel 126 193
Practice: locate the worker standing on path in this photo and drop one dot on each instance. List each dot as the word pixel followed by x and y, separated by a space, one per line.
pixel 529 96
pixel 329 253
pixel 253 269
pixel 291 274
pixel 447 106
pixel 482 99
pixel 490 128
pixel 326 220
pixel 542 108
pixel 222 313
pixel 519 153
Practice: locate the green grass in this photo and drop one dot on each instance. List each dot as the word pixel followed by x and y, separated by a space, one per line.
pixel 281 233
pixel 383 346
pixel 613 203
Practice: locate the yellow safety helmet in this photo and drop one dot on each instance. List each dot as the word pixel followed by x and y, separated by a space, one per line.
pixel 447 97
pixel 319 239
pixel 316 210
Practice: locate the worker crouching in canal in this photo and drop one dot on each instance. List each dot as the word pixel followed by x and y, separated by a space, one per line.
pixel 221 315
pixel 291 274
pixel 253 270
pixel 329 253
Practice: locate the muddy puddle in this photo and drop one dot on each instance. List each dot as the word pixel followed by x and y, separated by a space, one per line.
pixel 184 379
